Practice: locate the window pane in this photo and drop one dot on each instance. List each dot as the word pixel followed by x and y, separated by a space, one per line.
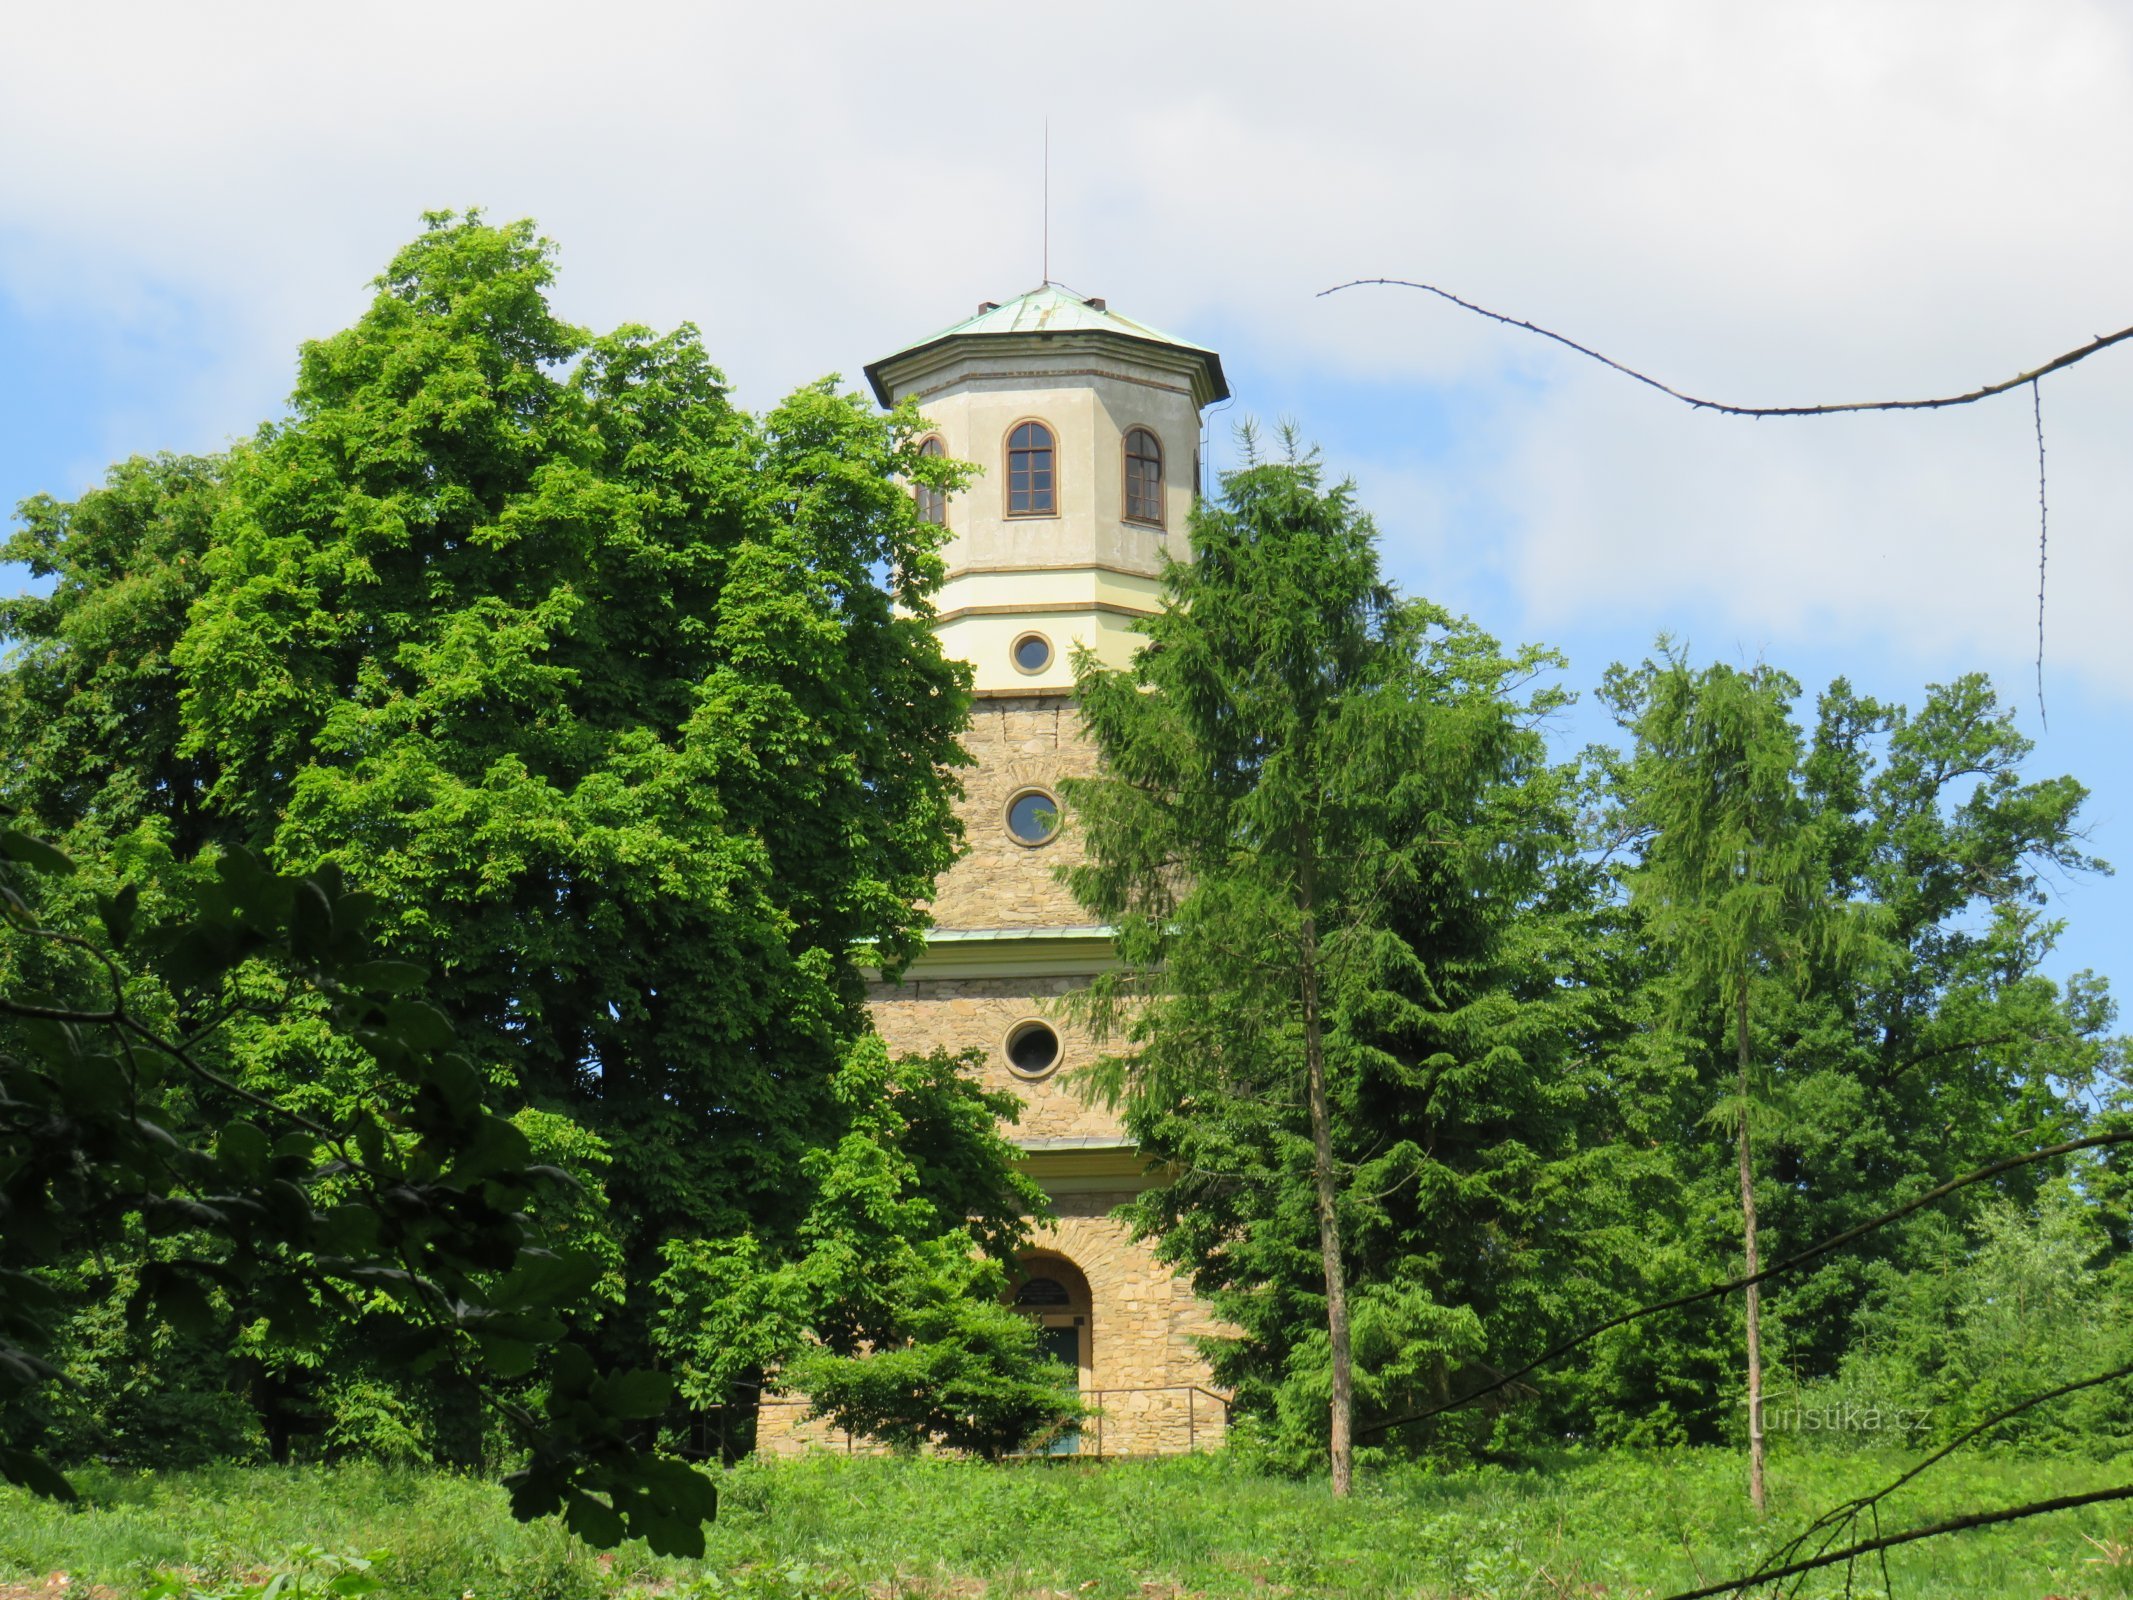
pixel 1029 470
pixel 1033 817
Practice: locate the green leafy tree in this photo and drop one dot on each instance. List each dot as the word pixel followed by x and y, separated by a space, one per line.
pixel 1322 822
pixel 89 698
pixel 1848 931
pixel 622 703
pixel 114 1122
pixel 894 1323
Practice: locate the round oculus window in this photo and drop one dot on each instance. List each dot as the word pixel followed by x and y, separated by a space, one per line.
pixel 1032 652
pixel 1032 1048
pixel 1033 817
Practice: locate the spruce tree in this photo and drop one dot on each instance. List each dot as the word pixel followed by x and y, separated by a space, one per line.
pixel 1321 819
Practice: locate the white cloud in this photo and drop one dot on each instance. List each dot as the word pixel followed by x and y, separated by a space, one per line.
pixel 1774 203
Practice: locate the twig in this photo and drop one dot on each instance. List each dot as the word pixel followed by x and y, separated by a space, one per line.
pixel 1847 1513
pixel 1976 1519
pixel 2102 341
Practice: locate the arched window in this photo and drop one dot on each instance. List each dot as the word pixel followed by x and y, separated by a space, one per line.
pixel 1032 486
pixel 1144 477
pixel 932 503
pixel 1048 1293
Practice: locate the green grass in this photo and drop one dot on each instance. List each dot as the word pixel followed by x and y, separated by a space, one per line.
pixel 1615 1525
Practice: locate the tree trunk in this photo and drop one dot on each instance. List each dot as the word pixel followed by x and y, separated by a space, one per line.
pixel 1329 1229
pixel 1754 1292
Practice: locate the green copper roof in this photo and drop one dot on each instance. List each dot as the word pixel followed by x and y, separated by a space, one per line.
pixel 1051 309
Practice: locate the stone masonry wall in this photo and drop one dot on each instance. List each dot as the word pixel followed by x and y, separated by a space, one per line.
pixel 1141 1367
pixel 1143 1370
pixel 967 1013
pixel 1020 742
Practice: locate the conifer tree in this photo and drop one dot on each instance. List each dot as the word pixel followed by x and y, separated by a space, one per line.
pixel 1730 883
pixel 1312 834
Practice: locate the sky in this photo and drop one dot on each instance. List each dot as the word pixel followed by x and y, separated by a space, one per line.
pixel 1764 205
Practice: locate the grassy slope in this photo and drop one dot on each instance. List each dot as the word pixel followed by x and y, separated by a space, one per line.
pixel 1616 1525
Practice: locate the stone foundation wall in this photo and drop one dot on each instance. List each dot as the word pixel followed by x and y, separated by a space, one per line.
pixel 783 1430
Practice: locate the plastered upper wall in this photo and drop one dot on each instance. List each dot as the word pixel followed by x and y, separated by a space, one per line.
pixel 1084 573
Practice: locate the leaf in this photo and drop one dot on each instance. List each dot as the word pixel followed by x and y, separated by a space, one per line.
pixel 178 1298
pixel 418 1026
pixel 385 977
pixel 196 955
pixel 676 1483
pixel 594 1521
pixel 496 1146
pixel 570 1371
pixel 116 912
pixel 243 1150
pixel 34 853
pixel 92 1084
pixel 505 1358
pixel 536 1491
pixel 545 1279
pixel 669 1535
pixel 254 891
pixel 34 1473
pixel 639 1393
pixel 311 922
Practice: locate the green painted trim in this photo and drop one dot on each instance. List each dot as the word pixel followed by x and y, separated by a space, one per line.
pixel 1068 952
pixel 1110 1169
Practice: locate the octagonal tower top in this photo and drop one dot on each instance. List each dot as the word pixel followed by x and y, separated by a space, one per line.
pixel 1084 426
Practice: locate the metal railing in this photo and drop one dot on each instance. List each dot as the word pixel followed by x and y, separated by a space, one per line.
pixel 1137 1429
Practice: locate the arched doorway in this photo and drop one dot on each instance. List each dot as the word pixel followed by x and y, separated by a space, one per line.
pixel 1054 1293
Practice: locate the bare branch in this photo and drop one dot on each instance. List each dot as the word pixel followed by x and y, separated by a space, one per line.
pixel 2036 402
pixel 1968 397
pixel 2102 341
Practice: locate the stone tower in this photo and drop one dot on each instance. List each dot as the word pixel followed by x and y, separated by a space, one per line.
pixel 1085 427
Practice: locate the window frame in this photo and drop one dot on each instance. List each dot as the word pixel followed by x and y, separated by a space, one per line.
pixel 1014 652
pixel 1020 1028
pixel 1126 460
pixel 929 498
pixel 1007 478
pixel 1022 792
